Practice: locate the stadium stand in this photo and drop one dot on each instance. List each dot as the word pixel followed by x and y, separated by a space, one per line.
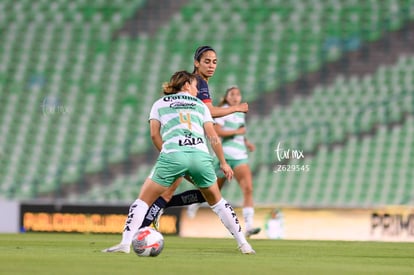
pixel 333 112
pixel 336 176
pixel 372 171
pixel 72 96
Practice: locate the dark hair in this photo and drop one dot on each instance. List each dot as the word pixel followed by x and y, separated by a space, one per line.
pixel 177 81
pixel 199 53
pixel 223 100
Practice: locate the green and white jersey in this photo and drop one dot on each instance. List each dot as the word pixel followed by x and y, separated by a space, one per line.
pixel 234 146
pixel 182 119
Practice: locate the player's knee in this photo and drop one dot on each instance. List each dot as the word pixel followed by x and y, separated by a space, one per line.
pixel 247 188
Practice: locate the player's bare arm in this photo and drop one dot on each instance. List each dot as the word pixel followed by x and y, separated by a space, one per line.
pixel 156 138
pixel 218 149
pixel 219 112
pixel 229 133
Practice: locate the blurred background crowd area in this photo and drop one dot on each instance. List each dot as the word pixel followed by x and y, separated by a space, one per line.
pixel 331 78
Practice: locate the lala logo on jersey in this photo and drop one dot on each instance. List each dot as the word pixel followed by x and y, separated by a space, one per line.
pixel 190 140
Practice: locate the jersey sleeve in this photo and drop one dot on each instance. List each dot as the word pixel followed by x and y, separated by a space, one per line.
pixel 154 114
pixel 204 96
pixel 207 115
pixel 222 120
pixel 219 120
pixel 203 91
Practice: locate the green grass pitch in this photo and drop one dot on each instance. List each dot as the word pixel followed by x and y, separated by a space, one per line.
pixel 42 253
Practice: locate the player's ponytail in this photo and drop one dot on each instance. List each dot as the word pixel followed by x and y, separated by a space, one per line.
pixel 177 81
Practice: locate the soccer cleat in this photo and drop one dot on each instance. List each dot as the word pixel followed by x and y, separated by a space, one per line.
pixel 246 249
pixel 252 231
pixel 192 210
pixel 156 221
pixel 124 248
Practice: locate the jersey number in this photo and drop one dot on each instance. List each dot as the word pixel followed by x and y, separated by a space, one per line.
pixel 186 118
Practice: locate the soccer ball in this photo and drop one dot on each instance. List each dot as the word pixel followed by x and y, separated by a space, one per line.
pixel 148 242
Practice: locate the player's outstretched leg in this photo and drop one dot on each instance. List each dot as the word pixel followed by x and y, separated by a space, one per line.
pixel 153 212
pixel 186 198
pixel 229 218
pixel 135 217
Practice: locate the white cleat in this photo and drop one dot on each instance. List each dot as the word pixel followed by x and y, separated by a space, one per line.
pixel 247 249
pixel 123 248
pixel 252 231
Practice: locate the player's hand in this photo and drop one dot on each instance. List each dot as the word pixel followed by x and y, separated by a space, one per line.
pixel 228 172
pixel 243 107
pixel 251 147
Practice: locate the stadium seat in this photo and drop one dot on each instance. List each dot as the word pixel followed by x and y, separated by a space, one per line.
pixel 83 93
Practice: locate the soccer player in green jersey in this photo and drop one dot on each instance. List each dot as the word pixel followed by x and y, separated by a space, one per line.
pixel 205 64
pixel 180 126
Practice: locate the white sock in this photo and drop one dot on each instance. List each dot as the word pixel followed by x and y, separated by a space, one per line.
pixel 248 214
pixel 136 215
pixel 196 206
pixel 226 213
pixel 203 204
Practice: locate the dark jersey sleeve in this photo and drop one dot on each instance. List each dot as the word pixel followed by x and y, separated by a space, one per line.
pixel 203 91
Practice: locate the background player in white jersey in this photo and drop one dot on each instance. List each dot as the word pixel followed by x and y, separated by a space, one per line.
pixel 231 128
pixel 179 126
